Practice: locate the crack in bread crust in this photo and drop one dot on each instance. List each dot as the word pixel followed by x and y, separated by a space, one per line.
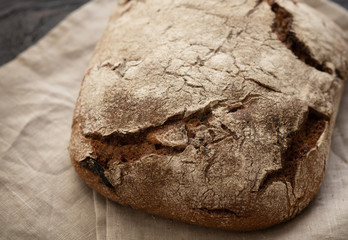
pixel 93 165
pixel 301 142
pixel 282 26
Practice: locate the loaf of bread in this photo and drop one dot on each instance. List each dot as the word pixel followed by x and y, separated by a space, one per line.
pixel 215 113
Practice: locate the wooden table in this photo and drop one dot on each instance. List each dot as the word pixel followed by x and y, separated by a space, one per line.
pixel 24 22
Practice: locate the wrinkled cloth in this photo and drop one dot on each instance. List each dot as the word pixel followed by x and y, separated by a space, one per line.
pixel 41 196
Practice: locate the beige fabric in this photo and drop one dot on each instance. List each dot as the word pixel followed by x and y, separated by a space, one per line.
pixel 41 197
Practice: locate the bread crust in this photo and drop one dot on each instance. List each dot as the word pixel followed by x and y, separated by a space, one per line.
pixel 215 113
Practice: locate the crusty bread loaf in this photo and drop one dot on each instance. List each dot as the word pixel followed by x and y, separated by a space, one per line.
pixel 215 113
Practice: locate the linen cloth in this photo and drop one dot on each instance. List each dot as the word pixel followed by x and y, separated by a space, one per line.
pixel 41 196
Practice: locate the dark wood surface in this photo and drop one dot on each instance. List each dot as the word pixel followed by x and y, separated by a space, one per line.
pixel 343 3
pixel 24 22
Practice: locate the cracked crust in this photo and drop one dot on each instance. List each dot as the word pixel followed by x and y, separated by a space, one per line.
pixel 218 114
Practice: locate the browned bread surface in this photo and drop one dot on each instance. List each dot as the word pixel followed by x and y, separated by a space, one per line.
pixel 215 113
